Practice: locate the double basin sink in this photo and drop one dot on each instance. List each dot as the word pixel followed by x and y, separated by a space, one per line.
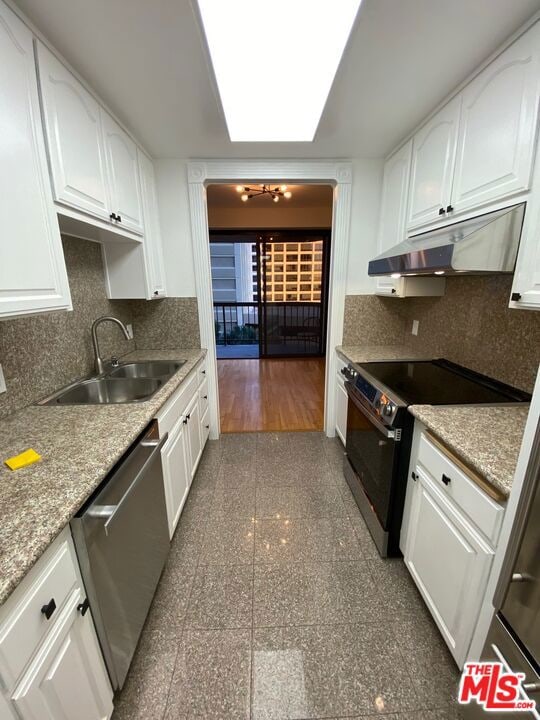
pixel 125 383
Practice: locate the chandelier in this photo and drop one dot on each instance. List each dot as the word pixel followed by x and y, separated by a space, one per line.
pixel 247 193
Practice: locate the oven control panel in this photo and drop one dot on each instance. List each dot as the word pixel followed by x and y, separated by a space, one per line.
pixel 380 403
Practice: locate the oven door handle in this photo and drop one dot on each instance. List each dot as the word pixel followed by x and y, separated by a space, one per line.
pixel 390 434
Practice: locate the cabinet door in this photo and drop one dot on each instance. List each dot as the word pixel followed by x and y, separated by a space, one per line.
pixel 498 126
pixel 123 174
pixel 194 430
pixel 67 678
pixel 432 168
pixel 342 400
pixel 32 269
pixel 74 138
pixel 393 215
pixel 155 269
pixel 448 562
pixel 174 457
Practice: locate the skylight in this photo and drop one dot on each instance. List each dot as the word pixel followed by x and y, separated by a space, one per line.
pixel 275 63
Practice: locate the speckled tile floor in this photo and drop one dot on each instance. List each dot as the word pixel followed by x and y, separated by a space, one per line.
pixel 274 603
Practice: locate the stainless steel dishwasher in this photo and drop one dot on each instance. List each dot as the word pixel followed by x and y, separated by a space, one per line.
pixel 122 541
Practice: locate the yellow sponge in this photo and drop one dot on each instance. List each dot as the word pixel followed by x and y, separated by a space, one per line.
pixel 25 458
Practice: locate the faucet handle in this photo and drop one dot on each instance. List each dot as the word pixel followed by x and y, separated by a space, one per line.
pixel 115 362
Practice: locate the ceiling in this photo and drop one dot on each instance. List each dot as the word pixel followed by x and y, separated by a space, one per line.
pixel 303 196
pixel 148 61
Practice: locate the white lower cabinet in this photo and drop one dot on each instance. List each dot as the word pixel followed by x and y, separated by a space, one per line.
pixel 449 534
pixel 51 666
pixel 341 401
pixel 449 563
pixel 182 418
pixel 67 679
pixel 174 458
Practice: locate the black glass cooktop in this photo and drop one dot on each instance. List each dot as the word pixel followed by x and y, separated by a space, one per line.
pixel 440 382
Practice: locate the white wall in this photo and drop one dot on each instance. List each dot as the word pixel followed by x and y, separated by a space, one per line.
pixel 171 176
pixel 172 190
pixel 366 196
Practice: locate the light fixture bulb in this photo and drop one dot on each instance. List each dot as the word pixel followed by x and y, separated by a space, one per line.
pixel 244 198
pixel 287 194
pixel 282 188
pixel 395 275
pixel 439 272
pixel 239 189
pixel 275 198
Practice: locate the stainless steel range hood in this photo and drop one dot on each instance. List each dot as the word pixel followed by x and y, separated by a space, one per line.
pixel 485 244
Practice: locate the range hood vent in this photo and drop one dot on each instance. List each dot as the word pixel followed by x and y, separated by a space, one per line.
pixel 481 245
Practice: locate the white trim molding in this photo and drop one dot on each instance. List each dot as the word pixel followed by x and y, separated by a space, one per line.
pixel 337 173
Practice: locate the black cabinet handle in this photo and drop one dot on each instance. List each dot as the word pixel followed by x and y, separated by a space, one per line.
pixel 446 480
pixel 203 372
pixel 188 416
pixel 515 297
pixel 207 427
pixel 156 292
pixel 113 216
pixel 442 211
pixel 414 476
pixel 449 208
pixel 393 290
pixel 205 397
pixel 49 609
pixel 119 218
pixel 185 420
pixel 83 607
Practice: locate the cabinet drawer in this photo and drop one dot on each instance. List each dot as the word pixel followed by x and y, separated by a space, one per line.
pixel 485 513
pixel 26 625
pixel 203 396
pixel 201 372
pixel 175 406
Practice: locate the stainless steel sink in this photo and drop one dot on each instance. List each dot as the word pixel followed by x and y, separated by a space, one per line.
pixel 126 383
pixel 106 390
pixel 149 369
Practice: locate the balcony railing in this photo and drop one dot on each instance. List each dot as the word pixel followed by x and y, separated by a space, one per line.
pixel 283 328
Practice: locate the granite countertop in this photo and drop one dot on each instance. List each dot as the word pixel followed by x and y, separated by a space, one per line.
pixel 379 353
pixel 79 444
pixel 488 442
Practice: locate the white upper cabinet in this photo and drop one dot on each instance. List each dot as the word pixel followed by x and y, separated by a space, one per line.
pixel 75 140
pixel 432 166
pixel 498 127
pixel 123 171
pixel 32 269
pixel 395 190
pixel 155 269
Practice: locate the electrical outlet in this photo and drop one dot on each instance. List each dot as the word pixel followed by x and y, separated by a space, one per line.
pixel 129 328
pixel 3 387
pixel 415 326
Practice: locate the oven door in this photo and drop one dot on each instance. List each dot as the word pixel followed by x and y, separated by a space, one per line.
pixel 372 450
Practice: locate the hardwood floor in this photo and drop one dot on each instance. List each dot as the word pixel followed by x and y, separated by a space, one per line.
pixel 266 395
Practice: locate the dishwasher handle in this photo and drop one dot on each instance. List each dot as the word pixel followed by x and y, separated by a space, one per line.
pixel 110 511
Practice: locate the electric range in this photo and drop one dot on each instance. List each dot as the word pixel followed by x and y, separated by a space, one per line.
pixel 380 429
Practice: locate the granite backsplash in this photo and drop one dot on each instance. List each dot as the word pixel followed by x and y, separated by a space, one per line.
pixel 42 353
pixel 471 325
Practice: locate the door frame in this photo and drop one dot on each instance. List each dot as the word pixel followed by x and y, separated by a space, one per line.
pixel 336 173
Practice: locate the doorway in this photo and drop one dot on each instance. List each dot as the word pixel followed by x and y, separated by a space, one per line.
pixel 270 292
pixel 270 278
pixel 202 173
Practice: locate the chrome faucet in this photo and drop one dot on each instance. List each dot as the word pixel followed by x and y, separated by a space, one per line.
pixel 100 368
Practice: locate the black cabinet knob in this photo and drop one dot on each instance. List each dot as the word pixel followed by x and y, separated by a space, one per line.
pixel 449 208
pixel 119 218
pixel 515 297
pixel 414 476
pixel 203 372
pixel 393 290
pixel 83 607
pixel 446 480
pixel 49 609
pixel 205 397
pixel 113 216
pixel 207 427
pixel 442 211
pixel 156 292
